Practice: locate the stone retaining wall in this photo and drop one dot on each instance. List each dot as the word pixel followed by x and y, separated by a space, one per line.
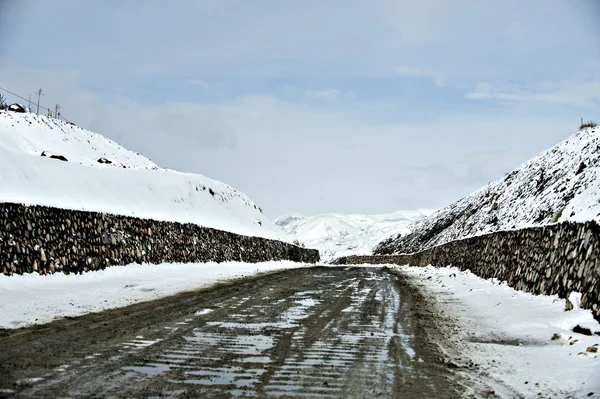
pixel 49 240
pixel 554 259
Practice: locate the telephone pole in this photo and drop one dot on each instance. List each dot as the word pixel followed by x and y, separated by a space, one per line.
pixel 56 113
pixel 39 93
pixel 30 103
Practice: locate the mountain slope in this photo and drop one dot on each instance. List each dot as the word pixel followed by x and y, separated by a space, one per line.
pixel 562 183
pixel 338 234
pixel 125 183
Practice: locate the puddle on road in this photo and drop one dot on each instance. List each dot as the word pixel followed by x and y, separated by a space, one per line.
pixel 151 369
pixel 139 343
pixel 237 376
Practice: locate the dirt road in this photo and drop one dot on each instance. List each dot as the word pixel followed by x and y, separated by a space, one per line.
pixel 313 332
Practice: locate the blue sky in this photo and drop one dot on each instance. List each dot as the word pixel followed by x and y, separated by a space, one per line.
pixel 317 106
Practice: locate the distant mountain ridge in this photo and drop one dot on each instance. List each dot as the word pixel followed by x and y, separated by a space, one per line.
pixel 560 184
pixel 337 234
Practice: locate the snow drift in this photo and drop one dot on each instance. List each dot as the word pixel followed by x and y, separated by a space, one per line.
pixel 102 176
pixel 560 184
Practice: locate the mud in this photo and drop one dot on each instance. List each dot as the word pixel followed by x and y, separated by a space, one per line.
pixel 314 332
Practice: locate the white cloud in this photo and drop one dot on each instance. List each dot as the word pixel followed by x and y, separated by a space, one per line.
pixel 149 69
pixel 411 72
pixel 582 94
pixel 197 82
pixel 289 89
pixel 325 94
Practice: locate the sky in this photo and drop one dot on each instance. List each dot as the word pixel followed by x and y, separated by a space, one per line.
pixel 316 106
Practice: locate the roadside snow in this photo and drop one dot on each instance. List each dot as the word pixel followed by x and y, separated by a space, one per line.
pixel 34 299
pixel 509 334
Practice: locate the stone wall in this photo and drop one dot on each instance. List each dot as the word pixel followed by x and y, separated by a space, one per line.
pixel 49 240
pixel 554 259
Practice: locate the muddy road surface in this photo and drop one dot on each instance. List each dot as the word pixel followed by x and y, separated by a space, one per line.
pixel 310 332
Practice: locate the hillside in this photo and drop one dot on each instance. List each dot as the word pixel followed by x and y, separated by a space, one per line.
pixel 338 234
pixel 100 175
pixel 560 184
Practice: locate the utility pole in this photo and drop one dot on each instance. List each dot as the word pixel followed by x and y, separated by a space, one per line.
pixel 30 103
pixel 56 113
pixel 39 93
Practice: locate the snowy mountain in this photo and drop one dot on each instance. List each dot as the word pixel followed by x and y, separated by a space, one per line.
pixel 560 184
pixel 100 175
pixel 338 234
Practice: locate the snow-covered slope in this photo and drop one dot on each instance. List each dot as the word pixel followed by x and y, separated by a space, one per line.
pixel 562 183
pixel 32 134
pixel 338 234
pixel 130 184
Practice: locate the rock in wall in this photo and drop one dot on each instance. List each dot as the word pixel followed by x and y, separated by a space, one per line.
pixel 48 240
pixel 553 259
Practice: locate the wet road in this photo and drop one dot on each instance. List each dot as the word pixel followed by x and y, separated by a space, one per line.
pixel 318 332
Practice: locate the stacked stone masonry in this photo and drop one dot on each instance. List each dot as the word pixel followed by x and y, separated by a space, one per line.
pixel 49 240
pixel 554 259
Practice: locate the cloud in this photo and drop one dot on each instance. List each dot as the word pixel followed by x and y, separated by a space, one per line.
pixel 197 82
pixel 410 72
pixel 289 89
pixel 149 128
pixel 582 94
pixel 148 69
pixel 326 94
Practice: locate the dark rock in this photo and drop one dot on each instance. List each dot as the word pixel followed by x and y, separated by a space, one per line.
pixel 59 157
pixel 582 330
pixel 104 160
pixel 581 168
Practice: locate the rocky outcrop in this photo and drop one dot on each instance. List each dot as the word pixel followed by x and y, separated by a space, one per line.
pixel 560 184
pixel 554 259
pixel 48 240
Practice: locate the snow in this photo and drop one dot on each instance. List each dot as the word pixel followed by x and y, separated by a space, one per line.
pixel 530 361
pixel 33 299
pixel 131 185
pixel 337 234
pixel 560 184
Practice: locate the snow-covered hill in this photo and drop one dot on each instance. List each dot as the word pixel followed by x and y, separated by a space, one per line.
pixel 338 234
pixel 100 175
pixel 562 183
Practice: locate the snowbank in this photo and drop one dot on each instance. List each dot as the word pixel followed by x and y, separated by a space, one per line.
pixel 509 335
pixel 33 299
pixel 130 185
